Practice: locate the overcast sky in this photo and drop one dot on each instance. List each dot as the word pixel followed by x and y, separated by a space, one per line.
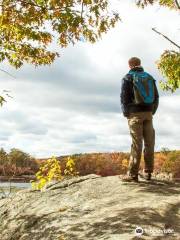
pixel 73 106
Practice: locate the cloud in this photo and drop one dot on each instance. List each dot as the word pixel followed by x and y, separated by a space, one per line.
pixel 74 106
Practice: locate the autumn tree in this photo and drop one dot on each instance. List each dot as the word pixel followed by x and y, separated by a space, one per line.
pixel 28 27
pixel 19 158
pixel 169 62
pixel 3 157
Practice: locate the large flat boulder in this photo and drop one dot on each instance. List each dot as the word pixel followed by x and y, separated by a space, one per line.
pixel 93 208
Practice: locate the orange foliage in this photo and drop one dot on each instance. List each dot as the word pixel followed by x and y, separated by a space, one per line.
pixel 12 170
pixel 104 164
pixel 159 161
pixel 108 164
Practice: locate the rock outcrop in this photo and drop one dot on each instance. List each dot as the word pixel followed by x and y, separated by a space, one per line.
pixel 93 208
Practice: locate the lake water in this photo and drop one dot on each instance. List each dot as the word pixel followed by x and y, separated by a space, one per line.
pixel 4 187
pixel 14 184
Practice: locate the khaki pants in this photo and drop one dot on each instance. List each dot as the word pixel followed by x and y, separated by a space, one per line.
pixel 141 129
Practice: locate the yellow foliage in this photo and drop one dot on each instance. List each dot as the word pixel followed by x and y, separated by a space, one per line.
pixel 70 167
pixel 125 163
pixel 50 170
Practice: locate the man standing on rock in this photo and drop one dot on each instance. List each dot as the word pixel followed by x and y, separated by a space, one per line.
pixel 139 102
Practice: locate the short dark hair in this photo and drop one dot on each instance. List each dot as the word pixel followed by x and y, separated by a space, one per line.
pixel 134 61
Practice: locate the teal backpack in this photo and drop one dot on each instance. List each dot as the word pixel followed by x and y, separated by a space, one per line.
pixel 143 86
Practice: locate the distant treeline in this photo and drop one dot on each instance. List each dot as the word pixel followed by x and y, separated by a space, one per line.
pixel 18 163
pixel 104 164
pixel 107 164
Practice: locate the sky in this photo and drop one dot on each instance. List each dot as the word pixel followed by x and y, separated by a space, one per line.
pixel 73 106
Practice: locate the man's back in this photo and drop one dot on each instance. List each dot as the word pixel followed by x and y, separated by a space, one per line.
pixel 128 99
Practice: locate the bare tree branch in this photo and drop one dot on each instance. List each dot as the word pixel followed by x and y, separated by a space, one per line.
pixel 175 44
pixel 82 9
pixel 7 73
pixel 177 4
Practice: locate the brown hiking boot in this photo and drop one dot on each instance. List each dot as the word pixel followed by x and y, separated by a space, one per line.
pixel 129 178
